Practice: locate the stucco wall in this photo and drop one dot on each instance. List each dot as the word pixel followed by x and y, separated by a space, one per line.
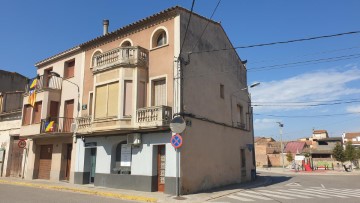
pixel 11 81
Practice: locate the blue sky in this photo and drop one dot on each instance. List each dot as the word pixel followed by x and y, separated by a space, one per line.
pixel 322 95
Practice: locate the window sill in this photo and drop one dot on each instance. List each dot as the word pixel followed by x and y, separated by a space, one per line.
pixel 159 47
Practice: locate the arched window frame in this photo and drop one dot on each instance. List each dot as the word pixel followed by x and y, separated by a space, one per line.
pixel 125 41
pixel 155 36
pixel 95 53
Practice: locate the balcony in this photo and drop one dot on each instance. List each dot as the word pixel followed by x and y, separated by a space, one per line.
pixel 11 102
pixel 158 116
pixel 83 124
pixel 122 56
pixel 45 83
pixel 56 125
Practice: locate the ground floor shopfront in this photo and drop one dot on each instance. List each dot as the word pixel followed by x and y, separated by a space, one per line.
pixel 49 158
pixel 113 161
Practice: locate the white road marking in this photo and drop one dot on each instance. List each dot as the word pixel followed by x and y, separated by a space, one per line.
pixel 305 194
pixel 270 195
pixel 322 186
pixel 240 198
pixel 287 194
pixel 342 192
pixel 293 184
pixel 318 192
pixel 253 196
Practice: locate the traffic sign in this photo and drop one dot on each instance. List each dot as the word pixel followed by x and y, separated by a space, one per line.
pixel 176 141
pixel 22 143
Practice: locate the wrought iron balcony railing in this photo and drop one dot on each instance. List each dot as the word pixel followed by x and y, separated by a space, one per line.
pixel 43 82
pixel 56 125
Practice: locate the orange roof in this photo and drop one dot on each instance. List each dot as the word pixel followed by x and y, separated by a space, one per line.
pixel 351 135
pixel 319 131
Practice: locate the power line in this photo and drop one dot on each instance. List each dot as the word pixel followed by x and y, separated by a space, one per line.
pixel 217 5
pixel 306 116
pixel 304 105
pixel 279 42
pixel 187 26
pixel 330 59
pixel 284 102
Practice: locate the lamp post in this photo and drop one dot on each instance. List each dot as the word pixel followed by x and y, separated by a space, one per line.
pixel 52 73
pixel 281 125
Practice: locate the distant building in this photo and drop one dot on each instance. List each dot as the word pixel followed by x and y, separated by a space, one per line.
pixel 353 137
pixel 12 87
pixel 319 134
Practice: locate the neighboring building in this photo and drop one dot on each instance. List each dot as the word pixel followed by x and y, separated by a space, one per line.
pixel 353 137
pixel 12 87
pixel 295 147
pixel 268 152
pixel 319 134
pixel 47 123
pixel 12 81
pixel 131 86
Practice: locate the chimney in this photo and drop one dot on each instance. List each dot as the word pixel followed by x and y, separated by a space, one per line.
pixel 106 27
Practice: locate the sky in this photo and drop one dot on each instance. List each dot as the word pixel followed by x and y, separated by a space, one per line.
pixel 305 85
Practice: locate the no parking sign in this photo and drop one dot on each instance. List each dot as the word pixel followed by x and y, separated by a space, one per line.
pixel 176 141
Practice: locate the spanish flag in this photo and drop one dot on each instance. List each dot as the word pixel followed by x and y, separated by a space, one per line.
pixel 49 126
pixel 33 84
pixel 32 97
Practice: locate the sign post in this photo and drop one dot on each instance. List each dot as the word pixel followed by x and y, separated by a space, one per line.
pixel 177 125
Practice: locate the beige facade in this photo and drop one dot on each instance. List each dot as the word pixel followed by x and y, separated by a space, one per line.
pixel 132 82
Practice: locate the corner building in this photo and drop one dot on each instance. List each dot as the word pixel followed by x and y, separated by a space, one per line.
pixel 132 84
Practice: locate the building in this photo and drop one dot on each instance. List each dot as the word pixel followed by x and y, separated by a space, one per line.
pixel 267 152
pixel 132 82
pixel 12 87
pixel 353 137
pixel 320 134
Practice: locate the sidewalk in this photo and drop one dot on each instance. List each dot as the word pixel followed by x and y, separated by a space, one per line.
pixel 134 195
pixel 316 172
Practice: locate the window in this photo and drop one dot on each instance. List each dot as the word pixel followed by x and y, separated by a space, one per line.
pixel 243 158
pixel 27 115
pixel 159 38
pixel 91 103
pixel 127 97
pixel 94 59
pixel 159 92
pixel 141 94
pixel 69 69
pixel 37 113
pixel 222 96
pixel 122 160
pixel 106 100
pixel 240 117
pixel 126 44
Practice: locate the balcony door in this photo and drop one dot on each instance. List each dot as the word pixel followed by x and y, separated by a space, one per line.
pixel 159 92
pixel 68 115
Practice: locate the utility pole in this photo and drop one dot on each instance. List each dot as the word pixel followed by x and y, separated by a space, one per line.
pixel 281 125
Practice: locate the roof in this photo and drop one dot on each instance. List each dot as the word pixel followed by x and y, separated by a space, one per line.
pixel 123 30
pixel 4 72
pixel 319 131
pixel 329 139
pixel 351 135
pixel 295 147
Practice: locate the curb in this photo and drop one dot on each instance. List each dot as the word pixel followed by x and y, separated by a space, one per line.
pixel 98 193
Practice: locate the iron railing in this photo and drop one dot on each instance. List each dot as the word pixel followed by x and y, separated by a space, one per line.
pixel 56 125
pixel 43 82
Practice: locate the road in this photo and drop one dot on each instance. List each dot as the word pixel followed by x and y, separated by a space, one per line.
pixel 299 189
pixel 23 194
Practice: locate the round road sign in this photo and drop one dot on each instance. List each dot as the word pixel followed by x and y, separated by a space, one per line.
pixel 22 143
pixel 176 141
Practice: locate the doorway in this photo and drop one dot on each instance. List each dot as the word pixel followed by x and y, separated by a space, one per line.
pixel 45 161
pixel 92 164
pixel 68 115
pixel 68 161
pixel 161 168
pixel 16 157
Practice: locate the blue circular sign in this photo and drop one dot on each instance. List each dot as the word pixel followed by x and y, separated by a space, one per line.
pixel 176 141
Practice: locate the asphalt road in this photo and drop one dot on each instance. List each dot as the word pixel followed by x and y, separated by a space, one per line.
pixel 301 188
pixel 21 194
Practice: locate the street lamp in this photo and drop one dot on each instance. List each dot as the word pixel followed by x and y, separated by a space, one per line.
pixel 281 125
pixel 52 73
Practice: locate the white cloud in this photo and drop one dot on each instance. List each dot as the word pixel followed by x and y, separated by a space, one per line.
pixel 353 109
pixel 265 124
pixel 315 86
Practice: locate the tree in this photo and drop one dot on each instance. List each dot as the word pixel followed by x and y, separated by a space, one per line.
pixel 338 153
pixel 289 157
pixel 350 152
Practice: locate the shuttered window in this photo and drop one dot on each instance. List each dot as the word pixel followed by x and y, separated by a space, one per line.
pixel 107 100
pixel 69 69
pixel 27 115
pixel 127 97
pixel 37 113
pixel 159 92
pixel 142 95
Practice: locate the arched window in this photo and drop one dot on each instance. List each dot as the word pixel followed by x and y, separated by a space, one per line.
pixel 126 44
pixel 159 37
pixel 94 60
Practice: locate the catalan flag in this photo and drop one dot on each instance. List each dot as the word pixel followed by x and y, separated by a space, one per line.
pixel 32 97
pixel 49 126
pixel 33 83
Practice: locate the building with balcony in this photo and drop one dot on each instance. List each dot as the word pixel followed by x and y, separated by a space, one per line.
pixel 50 107
pixel 132 82
pixel 12 87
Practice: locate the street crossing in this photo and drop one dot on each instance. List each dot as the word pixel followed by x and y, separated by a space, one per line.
pixel 290 194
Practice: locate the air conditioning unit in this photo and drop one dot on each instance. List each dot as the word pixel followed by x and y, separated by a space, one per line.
pixel 134 138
